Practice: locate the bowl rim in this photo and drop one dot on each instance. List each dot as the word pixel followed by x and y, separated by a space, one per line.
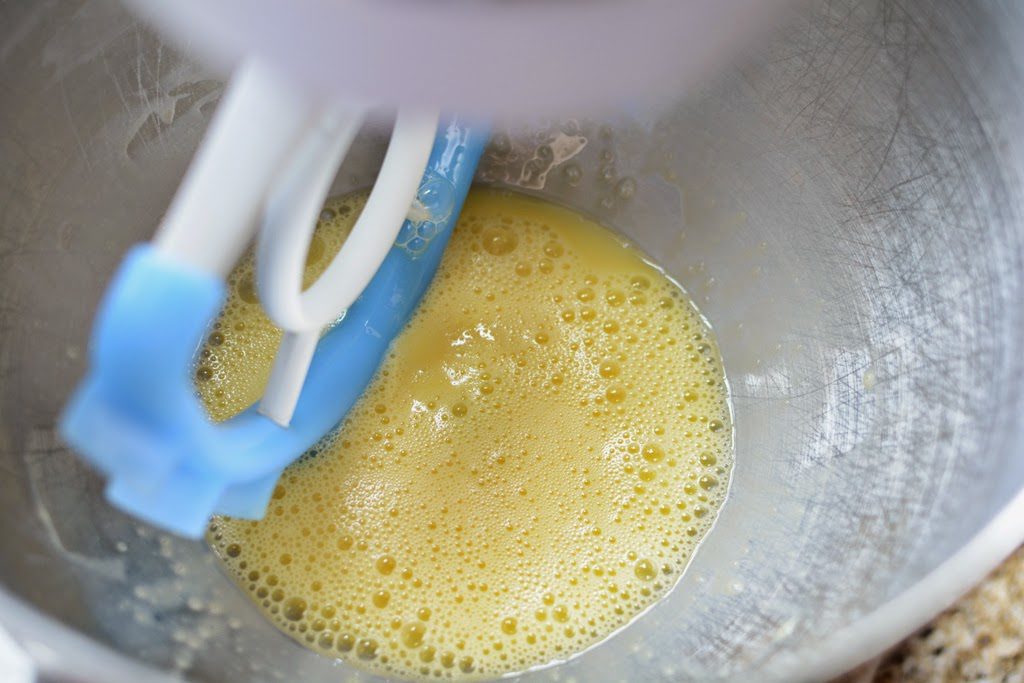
pixel 872 634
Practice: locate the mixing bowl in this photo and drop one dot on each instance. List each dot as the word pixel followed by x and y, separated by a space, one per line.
pixel 846 205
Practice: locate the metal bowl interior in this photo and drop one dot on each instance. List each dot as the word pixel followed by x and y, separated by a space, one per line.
pixel 845 205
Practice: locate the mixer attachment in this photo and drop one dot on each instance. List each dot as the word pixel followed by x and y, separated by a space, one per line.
pixel 270 151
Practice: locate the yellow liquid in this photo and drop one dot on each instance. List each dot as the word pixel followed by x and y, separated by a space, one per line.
pixel 532 466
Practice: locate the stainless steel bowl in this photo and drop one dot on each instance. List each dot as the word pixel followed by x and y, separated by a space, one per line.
pixel 847 207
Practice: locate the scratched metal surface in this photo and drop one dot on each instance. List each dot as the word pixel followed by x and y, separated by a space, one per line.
pixel 845 206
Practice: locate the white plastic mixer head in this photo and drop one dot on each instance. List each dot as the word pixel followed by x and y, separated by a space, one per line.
pixel 474 56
